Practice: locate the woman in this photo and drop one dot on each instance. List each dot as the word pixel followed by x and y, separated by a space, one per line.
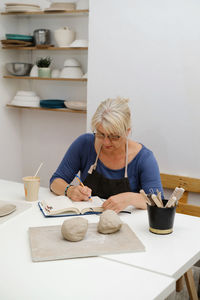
pixel 111 165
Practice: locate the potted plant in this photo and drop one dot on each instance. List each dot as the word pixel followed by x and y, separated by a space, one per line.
pixel 43 64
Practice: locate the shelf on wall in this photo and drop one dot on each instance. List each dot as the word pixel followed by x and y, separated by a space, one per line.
pixel 43 48
pixel 41 78
pixel 49 109
pixel 49 13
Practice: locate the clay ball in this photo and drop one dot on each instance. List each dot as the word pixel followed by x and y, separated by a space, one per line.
pixel 74 229
pixel 109 222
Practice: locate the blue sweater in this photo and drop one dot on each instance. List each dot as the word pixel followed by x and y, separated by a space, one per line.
pixel 143 171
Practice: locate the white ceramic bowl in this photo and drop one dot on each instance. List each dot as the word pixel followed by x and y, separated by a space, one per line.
pixel 25 103
pixel 55 73
pixel 34 71
pixel 64 36
pixel 26 98
pixel 71 72
pixel 19 68
pixel 71 62
pixel 26 93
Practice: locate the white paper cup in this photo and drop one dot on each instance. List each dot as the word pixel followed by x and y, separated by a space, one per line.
pixel 31 187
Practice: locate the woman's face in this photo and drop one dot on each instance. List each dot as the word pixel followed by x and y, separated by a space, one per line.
pixel 110 142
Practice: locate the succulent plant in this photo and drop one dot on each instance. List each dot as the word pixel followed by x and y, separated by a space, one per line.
pixel 43 62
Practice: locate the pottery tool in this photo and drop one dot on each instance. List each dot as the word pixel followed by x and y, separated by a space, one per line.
pixel 156 200
pixel 148 201
pixel 178 192
pixel 159 195
pixel 81 183
pixel 171 202
pixel 38 169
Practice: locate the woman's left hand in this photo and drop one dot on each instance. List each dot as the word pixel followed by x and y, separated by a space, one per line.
pixel 117 202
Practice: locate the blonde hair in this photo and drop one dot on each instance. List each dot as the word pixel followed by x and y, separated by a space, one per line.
pixel 114 115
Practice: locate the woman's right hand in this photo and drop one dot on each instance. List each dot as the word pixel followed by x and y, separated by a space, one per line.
pixel 79 193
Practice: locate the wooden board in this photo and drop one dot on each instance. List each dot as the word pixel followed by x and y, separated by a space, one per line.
pixel 47 243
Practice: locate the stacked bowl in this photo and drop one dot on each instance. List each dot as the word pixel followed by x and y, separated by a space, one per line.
pixel 72 69
pixel 26 98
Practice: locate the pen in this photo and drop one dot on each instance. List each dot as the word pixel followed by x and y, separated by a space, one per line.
pixel 81 183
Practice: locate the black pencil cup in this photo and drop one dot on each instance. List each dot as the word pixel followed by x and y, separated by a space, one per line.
pixel 161 219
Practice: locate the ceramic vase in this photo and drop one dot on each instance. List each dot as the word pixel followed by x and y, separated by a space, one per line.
pixel 44 72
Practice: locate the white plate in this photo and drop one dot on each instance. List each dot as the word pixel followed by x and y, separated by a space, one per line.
pixel 7 209
pixel 71 62
pixel 21 9
pixel 21 4
pixel 77 105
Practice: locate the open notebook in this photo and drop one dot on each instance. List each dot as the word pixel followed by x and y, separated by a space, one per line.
pixel 62 205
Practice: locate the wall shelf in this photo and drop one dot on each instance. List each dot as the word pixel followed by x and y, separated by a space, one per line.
pixel 48 13
pixel 49 109
pixel 41 78
pixel 43 48
pixel 41 14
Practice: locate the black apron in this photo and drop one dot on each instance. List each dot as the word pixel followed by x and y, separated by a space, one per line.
pixel 105 187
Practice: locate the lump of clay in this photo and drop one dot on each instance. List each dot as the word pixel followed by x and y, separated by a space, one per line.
pixel 109 222
pixel 74 229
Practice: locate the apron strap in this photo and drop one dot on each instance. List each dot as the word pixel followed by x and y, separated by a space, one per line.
pixel 93 167
pixel 126 162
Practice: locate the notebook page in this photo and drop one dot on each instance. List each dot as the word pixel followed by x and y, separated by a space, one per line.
pixel 95 202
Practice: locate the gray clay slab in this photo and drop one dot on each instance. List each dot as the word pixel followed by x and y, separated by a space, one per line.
pixel 20 207
pixel 47 243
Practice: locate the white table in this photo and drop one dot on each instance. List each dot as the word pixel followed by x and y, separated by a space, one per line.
pixel 171 254
pixel 85 279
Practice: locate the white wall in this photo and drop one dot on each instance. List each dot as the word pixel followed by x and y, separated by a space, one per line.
pixel 10 136
pixel 46 137
pixel 149 51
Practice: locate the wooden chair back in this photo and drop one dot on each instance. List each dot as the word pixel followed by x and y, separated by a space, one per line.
pixel 190 185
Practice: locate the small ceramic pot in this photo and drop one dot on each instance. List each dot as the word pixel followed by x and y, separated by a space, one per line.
pixel 44 72
pixel 64 36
